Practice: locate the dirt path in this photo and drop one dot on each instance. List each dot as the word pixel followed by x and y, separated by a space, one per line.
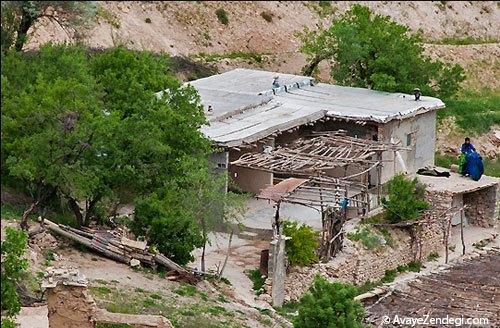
pixel 244 255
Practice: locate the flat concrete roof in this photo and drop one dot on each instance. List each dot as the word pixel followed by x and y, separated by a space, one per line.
pixel 456 184
pixel 246 107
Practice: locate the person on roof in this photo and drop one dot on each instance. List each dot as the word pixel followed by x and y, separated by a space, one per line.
pixel 467 147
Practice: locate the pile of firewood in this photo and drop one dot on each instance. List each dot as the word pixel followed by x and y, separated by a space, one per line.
pixel 121 249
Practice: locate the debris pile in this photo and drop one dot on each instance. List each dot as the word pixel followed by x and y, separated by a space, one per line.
pixel 121 249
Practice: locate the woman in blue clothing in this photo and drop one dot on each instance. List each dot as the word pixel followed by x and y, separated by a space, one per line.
pixel 467 147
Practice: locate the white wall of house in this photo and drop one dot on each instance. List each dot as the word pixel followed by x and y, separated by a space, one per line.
pixel 418 132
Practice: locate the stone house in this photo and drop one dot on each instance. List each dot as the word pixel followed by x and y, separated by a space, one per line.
pixel 251 110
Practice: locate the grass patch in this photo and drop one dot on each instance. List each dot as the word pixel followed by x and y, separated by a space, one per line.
pixel 433 256
pixel 257 279
pixel 389 276
pixel 475 111
pixel 155 296
pixel 491 166
pixel 322 8
pixel 231 55
pixel 288 310
pixel 387 236
pixel 452 248
pixel 463 41
pixel 222 16
pixel 186 290
pixel 11 212
pixel 108 16
pixel 113 325
pixel 368 238
pixel 101 290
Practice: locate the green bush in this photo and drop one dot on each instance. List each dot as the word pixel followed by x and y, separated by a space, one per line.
pixel 301 248
pixel 222 16
pixel 257 279
pixel 268 17
pixel 13 265
pixel 405 199
pixel 433 256
pixel 329 304
pixel 368 238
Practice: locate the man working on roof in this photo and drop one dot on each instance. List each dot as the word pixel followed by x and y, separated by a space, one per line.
pixel 467 147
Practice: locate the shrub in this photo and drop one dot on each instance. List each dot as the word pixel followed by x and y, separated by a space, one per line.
pixel 301 248
pixel 267 16
pixel 405 199
pixel 369 239
pixel 329 304
pixel 13 265
pixel 433 256
pixel 257 279
pixel 148 20
pixel 222 16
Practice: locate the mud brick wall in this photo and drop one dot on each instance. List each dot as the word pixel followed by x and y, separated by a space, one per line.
pixel 356 264
pixel 70 307
pixel 482 207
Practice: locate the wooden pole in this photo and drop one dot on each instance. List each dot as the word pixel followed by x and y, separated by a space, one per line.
pixel 447 236
pixel 462 230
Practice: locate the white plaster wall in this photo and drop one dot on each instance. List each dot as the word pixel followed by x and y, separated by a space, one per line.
pixel 423 129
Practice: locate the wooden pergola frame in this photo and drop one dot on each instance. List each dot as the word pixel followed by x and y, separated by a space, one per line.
pixel 312 157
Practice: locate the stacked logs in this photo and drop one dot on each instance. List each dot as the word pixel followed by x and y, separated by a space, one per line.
pixel 122 250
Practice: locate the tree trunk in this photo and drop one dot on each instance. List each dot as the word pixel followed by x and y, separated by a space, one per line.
pixel 22 31
pixel 203 227
pixel 26 213
pixel 227 254
pixel 310 67
pixel 93 202
pixel 77 211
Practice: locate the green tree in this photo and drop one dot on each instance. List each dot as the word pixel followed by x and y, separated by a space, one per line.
pixel 13 264
pixel 301 248
pixel 93 130
pixel 329 304
pixel 19 16
pixel 372 51
pixel 179 217
pixel 50 113
pixel 167 224
pixel 405 199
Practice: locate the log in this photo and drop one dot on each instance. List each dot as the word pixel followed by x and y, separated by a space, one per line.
pixel 96 243
pixel 169 264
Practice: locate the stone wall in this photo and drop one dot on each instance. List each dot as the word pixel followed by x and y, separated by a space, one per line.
pixel 356 264
pixel 482 207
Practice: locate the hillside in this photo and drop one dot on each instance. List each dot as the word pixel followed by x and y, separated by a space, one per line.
pixel 265 30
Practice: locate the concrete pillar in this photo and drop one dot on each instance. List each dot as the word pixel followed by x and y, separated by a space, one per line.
pixel 278 273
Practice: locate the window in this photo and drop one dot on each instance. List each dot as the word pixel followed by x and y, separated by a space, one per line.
pixel 408 139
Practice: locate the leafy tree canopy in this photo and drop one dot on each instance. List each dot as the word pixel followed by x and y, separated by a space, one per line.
pixel 372 51
pixel 91 127
pixel 18 17
pixel 329 304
